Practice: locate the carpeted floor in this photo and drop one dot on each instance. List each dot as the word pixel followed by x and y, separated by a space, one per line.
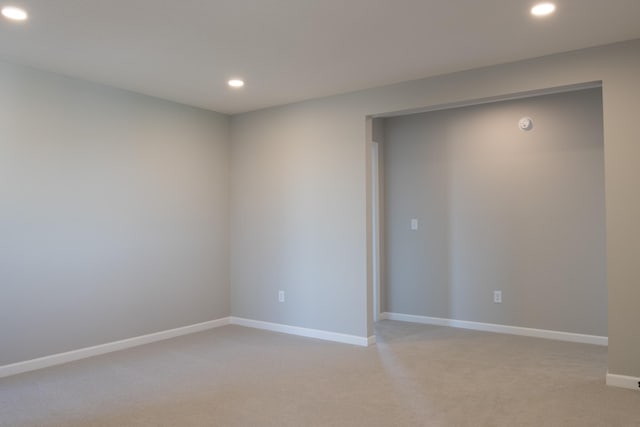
pixel 417 375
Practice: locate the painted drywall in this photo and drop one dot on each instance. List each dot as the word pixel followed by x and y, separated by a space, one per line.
pixel 300 203
pixel 293 220
pixel 113 214
pixel 499 209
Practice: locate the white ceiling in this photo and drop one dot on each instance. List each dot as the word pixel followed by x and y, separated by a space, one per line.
pixel 291 50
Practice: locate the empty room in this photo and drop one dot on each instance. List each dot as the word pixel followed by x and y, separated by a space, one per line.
pixel 319 213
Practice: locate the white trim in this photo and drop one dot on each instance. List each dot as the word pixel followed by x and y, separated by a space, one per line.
pixel 371 340
pixel 383 316
pixel 83 353
pixel 623 381
pixel 304 332
pixel 501 329
pixel 375 222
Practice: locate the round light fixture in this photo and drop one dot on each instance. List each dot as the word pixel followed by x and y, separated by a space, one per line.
pixel 525 123
pixel 543 9
pixel 14 13
pixel 235 83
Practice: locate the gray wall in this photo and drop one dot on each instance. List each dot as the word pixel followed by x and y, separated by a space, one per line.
pixel 300 202
pixel 296 219
pixel 113 214
pixel 499 209
pixel 132 227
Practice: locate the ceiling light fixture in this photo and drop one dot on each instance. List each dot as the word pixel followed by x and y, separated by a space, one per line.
pixel 14 13
pixel 543 9
pixel 235 83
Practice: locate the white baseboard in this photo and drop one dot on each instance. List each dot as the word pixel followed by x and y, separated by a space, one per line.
pixel 502 329
pixel 83 353
pixel 383 316
pixel 623 381
pixel 305 332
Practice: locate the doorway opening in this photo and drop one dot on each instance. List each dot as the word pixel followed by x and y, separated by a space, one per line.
pixel 481 222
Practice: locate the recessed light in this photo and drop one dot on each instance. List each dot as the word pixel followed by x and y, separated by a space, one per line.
pixel 14 13
pixel 235 83
pixel 543 9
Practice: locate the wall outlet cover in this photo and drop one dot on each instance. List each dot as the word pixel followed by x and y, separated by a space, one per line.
pixel 497 297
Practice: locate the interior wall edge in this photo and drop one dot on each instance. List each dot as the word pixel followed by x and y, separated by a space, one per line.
pixel 500 329
pixel 96 350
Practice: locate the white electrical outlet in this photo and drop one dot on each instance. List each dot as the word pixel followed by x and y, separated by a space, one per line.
pixel 280 296
pixel 497 297
pixel 414 224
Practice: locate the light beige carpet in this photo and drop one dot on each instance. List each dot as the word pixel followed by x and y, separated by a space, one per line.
pixel 416 375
